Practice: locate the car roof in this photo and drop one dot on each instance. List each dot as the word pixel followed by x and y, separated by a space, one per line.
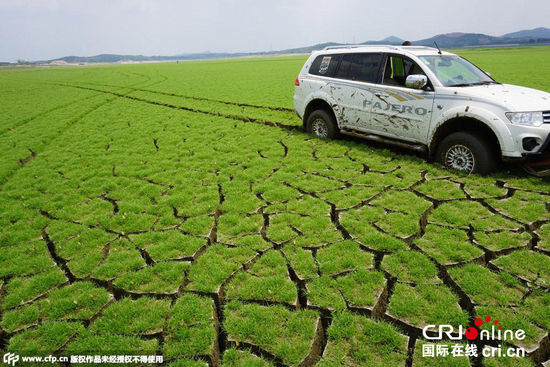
pixel 406 50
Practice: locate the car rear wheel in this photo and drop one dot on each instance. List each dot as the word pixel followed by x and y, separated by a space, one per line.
pixel 467 152
pixel 321 124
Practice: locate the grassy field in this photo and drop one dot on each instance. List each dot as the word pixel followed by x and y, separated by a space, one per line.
pixel 180 210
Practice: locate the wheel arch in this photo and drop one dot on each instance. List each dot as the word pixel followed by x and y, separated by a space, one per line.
pixel 317 104
pixel 464 123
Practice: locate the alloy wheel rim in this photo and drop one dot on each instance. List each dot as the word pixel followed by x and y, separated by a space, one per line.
pixel 461 158
pixel 319 128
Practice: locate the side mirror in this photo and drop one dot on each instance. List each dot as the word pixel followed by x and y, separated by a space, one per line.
pixel 417 81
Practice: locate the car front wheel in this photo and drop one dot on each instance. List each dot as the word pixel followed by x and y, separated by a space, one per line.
pixel 467 152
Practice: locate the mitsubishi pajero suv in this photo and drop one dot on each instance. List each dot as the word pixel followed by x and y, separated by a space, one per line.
pixel 424 99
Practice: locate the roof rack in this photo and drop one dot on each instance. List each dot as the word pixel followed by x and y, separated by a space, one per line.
pixel 356 46
pixel 412 47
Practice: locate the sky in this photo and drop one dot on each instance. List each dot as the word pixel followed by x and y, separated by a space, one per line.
pixel 48 29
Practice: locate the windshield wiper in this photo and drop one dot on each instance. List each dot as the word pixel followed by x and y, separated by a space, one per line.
pixel 462 85
pixel 486 82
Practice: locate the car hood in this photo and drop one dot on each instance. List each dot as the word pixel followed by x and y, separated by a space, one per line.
pixel 512 98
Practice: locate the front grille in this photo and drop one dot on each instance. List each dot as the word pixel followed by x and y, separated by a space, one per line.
pixel 546 117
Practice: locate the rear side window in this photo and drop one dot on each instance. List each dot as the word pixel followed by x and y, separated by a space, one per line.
pixel 360 67
pixel 345 65
pixel 325 65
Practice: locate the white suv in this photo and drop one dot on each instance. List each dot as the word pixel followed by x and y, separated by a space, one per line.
pixel 424 99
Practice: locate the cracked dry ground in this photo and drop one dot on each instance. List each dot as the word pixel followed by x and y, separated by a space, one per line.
pixel 213 232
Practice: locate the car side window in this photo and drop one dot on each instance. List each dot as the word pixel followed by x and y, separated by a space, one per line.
pixel 397 70
pixel 365 67
pixel 360 67
pixel 325 65
pixel 343 70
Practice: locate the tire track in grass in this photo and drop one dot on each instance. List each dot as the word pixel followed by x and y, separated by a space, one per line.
pixel 149 79
pixel 44 113
pixel 189 109
pixel 131 88
pixel 239 104
pixel 279 109
pixel 34 153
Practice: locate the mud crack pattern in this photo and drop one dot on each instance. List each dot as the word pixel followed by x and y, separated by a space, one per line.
pixel 217 233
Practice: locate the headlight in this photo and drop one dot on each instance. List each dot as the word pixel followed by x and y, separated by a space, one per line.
pixel 525 118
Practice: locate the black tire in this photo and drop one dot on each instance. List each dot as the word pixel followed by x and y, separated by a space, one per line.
pixel 322 124
pixel 468 152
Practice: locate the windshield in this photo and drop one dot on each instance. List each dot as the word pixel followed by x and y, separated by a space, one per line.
pixel 454 71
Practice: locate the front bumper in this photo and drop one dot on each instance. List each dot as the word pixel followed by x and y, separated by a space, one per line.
pixel 519 134
pixel 541 151
pixel 538 163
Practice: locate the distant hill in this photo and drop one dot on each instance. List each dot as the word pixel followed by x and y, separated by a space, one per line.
pixel 449 40
pixel 530 33
pixel 393 39
pixel 103 58
pixel 114 58
pixel 458 40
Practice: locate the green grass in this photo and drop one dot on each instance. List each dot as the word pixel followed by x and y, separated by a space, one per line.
pixel 79 301
pixel 462 214
pixel 128 317
pixel 168 245
pixel 448 245
pixel 410 266
pixel 544 237
pixel 188 363
pixel 537 308
pixel 527 207
pixel 189 329
pixel 46 338
pixel 441 190
pixel 357 341
pixel 219 263
pixel 357 289
pixel 267 280
pixel 236 358
pixel 23 290
pixel 531 266
pixel 160 278
pixel 302 261
pixel 426 304
pixel 286 334
pixel 178 209
pixel 110 344
pixel 496 289
pixel 343 256
pixel 502 240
